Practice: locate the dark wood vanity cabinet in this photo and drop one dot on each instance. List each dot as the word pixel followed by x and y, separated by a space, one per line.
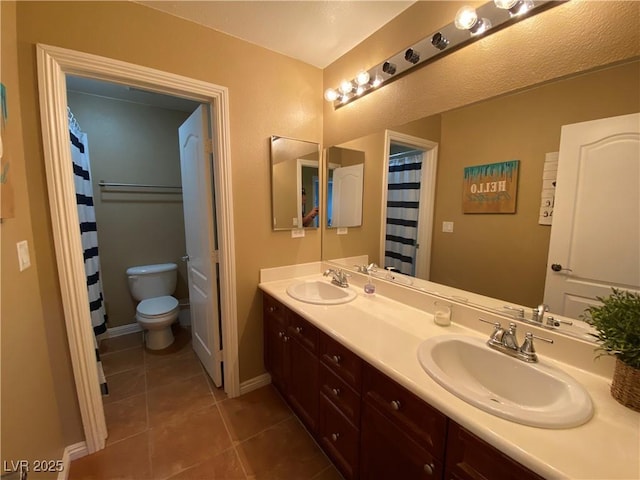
pixel 290 356
pixel 370 426
pixel 339 425
pixel 470 458
pixel 400 432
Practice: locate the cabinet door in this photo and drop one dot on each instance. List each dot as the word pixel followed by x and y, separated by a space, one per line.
pixel 470 458
pixel 276 342
pixel 339 438
pixel 304 384
pixel 386 452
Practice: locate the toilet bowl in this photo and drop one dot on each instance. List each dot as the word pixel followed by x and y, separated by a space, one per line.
pixel 155 316
pixel 152 286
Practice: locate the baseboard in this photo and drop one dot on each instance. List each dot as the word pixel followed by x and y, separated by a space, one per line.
pixel 255 383
pixel 124 330
pixel 71 453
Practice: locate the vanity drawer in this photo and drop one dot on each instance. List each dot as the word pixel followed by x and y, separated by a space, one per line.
pixel 274 309
pixel 420 421
pixel 342 361
pixel 341 394
pixel 339 438
pixel 304 332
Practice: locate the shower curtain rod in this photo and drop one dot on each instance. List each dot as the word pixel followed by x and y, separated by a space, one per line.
pixel 102 183
pixel 406 153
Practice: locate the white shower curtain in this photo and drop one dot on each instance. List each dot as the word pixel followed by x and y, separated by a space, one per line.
pixel 89 233
pixel 403 202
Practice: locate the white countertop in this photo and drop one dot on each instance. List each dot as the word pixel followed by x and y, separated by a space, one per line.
pixel 387 333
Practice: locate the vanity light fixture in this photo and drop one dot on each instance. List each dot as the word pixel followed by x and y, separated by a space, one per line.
pixel 468 26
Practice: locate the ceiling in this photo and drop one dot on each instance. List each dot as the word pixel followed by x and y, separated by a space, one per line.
pixel 315 32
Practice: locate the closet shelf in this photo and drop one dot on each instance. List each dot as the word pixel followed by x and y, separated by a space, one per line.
pixel 102 183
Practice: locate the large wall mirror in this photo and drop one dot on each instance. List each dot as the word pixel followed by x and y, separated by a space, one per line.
pixel 295 183
pixel 501 256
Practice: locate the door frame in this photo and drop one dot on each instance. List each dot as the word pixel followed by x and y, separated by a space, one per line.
pixel 427 197
pixel 54 64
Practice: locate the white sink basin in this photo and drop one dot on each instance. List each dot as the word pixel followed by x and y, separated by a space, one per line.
pixel 529 393
pixel 320 292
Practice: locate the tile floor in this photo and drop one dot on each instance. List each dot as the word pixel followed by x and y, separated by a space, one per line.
pixel 166 420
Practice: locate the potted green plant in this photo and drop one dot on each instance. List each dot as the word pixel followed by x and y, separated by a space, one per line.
pixel 617 323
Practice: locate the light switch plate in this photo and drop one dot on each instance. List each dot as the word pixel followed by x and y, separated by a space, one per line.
pixel 297 233
pixel 24 260
pixel 447 227
pixel 342 231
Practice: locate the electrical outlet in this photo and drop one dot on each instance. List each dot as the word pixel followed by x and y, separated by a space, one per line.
pixel 342 231
pixel 297 233
pixel 24 261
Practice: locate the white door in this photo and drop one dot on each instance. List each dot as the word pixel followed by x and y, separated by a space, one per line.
pixel 347 196
pixel 199 222
pixel 595 234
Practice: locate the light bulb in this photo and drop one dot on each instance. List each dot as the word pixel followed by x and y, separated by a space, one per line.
pixel 376 81
pixel 346 86
pixel 466 18
pixel 330 95
pixel 360 90
pixel 505 4
pixel 363 77
pixel 515 7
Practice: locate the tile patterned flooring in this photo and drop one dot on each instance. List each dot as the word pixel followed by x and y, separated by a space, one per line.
pixel 166 420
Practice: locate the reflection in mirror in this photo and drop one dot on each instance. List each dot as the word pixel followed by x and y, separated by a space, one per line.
pixel 345 177
pixel 295 187
pixel 494 256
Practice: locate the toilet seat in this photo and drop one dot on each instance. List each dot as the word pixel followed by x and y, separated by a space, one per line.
pixel 153 308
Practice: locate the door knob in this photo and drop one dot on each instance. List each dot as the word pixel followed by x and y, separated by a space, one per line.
pixel 556 267
pixel 185 258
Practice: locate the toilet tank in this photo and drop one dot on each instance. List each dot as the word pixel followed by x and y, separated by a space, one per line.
pixel 148 281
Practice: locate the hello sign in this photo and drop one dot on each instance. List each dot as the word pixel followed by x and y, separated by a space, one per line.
pixel 491 188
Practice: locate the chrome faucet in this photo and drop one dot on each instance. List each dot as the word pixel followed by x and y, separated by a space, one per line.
pixel 338 277
pixel 372 267
pixel 537 314
pixel 507 342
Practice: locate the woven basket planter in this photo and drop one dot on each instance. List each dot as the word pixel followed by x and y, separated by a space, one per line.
pixel 625 387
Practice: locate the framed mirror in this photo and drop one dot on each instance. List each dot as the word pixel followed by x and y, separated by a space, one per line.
pixel 345 181
pixel 295 183
pixel 500 259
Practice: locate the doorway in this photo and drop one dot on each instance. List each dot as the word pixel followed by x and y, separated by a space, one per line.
pixel 408 196
pixel 54 64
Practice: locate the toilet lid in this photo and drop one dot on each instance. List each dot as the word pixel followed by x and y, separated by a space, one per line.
pixel 157 306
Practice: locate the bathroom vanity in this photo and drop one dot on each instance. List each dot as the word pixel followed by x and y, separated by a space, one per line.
pixel 368 424
pixel 351 374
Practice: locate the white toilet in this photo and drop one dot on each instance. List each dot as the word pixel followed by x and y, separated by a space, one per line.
pixel 153 285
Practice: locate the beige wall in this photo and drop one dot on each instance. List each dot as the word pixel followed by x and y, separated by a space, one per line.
pixel 133 143
pixel 261 104
pixel 35 422
pixel 573 37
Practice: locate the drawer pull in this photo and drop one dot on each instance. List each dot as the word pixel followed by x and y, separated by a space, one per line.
pixel 285 338
pixel 335 436
pixel 281 334
pixel 272 309
pixel 336 358
pixel 428 468
pixel 335 391
pixel 395 404
pixel 298 329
